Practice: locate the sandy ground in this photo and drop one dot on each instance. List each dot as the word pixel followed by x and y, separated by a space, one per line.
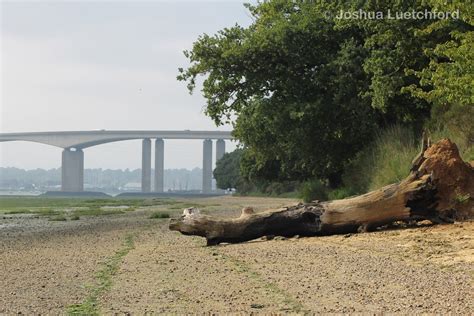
pixel 46 266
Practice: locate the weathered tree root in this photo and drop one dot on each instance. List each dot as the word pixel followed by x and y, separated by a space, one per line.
pixel 427 193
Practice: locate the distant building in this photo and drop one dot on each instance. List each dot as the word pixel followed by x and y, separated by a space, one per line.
pixel 132 186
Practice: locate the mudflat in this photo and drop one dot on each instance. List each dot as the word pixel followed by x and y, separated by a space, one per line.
pixel 129 262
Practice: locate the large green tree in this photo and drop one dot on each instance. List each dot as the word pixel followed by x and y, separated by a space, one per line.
pixel 294 82
pixel 305 90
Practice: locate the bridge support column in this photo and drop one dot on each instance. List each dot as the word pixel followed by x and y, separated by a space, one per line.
pixel 146 165
pixel 220 149
pixel 207 166
pixel 72 170
pixel 159 164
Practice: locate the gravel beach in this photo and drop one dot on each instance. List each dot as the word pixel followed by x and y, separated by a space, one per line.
pixel 49 266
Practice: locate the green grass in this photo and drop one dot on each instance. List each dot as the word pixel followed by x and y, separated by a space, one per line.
pixel 155 215
pixel 47 212
pixel 28 204
pixel 63 209
pixel 76 208
pixel 60 215
pixel 387 160
pixel 340 193
pixel 51 207
pixel 15 202
pixel 157 202
pixel 96 212
pixel 462 198
pixel 18 211
pixel 90 306
pixel 53 214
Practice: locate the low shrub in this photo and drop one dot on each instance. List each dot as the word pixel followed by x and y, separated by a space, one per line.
pixel 313 190
pixel 159 215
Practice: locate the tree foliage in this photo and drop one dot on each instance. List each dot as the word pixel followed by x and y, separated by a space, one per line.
pixel 227 171
pixel 305 91
pixel 288 68
pixel 448 81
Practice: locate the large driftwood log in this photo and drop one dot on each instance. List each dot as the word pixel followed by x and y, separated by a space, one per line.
pixel 439 188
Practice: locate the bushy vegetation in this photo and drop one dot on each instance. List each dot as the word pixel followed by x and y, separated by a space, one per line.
pixel 313 190
pixel 159 215
pixel 386 160
pixel 227 171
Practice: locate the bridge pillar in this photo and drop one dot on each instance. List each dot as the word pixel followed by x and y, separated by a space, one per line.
pixel 146 165
pixel 72 170
pixel 207 166
pixel 220 149
pixel 159 164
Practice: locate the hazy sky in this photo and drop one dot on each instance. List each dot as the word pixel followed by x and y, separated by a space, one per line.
pixel 104 65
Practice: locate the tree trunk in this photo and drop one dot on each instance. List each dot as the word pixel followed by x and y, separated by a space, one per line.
pixel 439 188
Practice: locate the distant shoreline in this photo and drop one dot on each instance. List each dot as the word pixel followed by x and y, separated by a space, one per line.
pixel 105 195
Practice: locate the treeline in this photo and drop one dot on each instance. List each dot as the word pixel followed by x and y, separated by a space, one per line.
pixel 104 179
pixel 311 95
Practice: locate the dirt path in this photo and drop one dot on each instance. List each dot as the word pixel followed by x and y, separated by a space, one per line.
pixel 45 269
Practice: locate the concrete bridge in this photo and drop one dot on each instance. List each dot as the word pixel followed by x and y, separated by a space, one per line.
pixel 73 142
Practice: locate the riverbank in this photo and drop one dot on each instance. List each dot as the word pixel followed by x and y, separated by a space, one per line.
pixel 127 262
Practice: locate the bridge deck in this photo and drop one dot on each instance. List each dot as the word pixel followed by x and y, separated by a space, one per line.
pixel 84 139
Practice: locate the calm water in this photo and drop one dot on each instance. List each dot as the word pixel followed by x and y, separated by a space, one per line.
pixel 26 193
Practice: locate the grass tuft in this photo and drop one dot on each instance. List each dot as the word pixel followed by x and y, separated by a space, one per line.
pixel 462 198
pixel 155 215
